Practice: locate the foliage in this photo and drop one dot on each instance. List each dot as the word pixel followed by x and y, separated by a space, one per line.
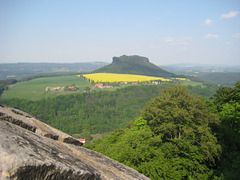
pixel 8 81
pixel 227 103
pixel 205 89
pixel 194 78
pixel 175 106
pixel 172 139
pixel 231 115
pixel 4 84
pixel 224 79
pixel 225 95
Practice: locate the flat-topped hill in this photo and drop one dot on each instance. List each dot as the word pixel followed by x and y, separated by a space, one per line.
pixel 134 65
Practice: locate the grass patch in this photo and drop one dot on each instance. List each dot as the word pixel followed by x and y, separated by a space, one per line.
pixel 35 89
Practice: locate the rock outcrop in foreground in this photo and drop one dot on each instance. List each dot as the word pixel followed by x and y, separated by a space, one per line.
pixel 30 149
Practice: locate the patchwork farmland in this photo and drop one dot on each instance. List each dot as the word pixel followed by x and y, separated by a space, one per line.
pixel 45 87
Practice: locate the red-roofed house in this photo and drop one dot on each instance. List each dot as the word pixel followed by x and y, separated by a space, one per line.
pixel 82 140
pixel 99 85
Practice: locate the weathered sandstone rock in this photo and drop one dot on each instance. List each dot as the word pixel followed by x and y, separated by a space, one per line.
pixel 30 149
pixel 133 58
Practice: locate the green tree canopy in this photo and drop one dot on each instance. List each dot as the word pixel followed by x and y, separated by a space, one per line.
pixel 227 102
pixel 225 95
pixel 177 114
pixel 172 139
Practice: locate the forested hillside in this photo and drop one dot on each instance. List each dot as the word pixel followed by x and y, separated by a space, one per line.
pixel 224 79
pixel 98 112
pixel 89 113
pixel 181 136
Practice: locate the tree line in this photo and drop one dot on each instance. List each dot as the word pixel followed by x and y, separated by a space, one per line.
pixel 4 84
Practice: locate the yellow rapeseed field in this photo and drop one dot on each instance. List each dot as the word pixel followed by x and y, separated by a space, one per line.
pixel 111 77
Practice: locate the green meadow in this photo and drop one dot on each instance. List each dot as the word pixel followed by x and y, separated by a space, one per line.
pixel 35 89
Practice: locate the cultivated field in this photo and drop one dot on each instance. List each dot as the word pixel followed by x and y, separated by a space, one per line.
pixel 35 88
pixel 111 77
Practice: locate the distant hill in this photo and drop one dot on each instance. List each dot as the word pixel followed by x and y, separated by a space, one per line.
pixel 134 65
pixel 22 70
pixel 224 75
pixel 223 79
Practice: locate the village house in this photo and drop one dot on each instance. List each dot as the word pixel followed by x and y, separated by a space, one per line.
pixel 99 85
pixel 71 87
pixel 82 140
pixel 122 82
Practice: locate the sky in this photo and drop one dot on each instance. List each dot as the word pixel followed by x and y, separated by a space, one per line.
pixel 165 31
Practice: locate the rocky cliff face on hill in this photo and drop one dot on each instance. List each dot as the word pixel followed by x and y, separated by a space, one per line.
pixel 125 58
pixel 30 149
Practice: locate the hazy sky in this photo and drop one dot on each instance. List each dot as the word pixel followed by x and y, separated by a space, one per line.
pixel 165 31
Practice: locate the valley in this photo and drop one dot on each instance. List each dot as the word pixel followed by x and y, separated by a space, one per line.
pixel 111 109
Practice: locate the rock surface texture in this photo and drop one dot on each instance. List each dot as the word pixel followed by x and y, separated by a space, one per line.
pixel 30 149
pixel 134 58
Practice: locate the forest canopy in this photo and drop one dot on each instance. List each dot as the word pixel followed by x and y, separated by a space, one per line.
pixel 180 136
